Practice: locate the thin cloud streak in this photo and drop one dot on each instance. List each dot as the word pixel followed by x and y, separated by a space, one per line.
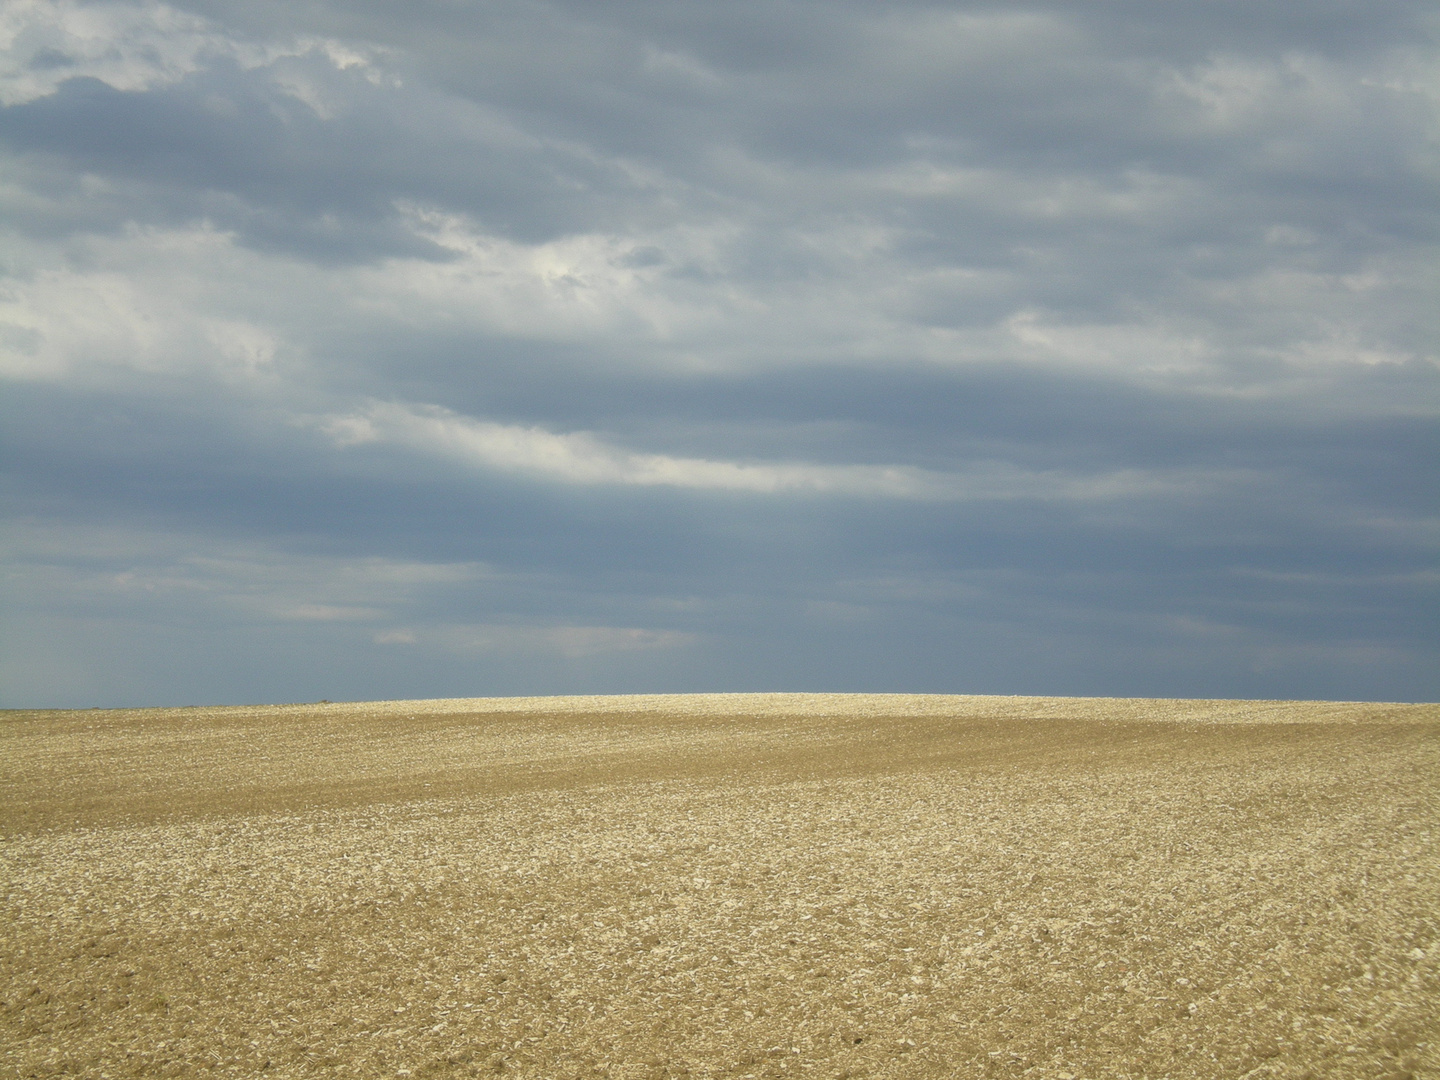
pixel 572 642
pixel 583 458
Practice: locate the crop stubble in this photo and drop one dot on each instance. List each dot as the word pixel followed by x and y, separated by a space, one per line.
pixel 737 885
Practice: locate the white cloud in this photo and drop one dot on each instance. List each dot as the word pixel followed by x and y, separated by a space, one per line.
pixel 584 458
pixel 570 288
pixel 1234 94
pixel 166 301
pixel 141 46
pixel 1136 347
pixel 395 637
pixel 112 568
pixel 568 641
pixel 325 613
pixel 128 46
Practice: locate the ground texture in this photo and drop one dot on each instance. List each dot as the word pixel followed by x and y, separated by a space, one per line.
pixel 728 885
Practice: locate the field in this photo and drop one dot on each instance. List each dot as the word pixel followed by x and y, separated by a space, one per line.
pixel 723 886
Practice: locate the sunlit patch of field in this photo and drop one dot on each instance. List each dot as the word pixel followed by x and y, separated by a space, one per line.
pixel 723 885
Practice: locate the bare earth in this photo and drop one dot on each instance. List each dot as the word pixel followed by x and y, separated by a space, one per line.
pixel 723 885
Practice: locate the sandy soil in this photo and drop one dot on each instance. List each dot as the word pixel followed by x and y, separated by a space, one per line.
pixel 728 885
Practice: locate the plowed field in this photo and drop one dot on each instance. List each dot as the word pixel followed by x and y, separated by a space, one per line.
pixel 723 886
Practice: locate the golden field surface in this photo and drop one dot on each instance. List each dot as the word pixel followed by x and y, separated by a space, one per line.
pixel 723 886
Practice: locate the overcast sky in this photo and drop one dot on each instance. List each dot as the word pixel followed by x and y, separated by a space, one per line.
pixel 365 350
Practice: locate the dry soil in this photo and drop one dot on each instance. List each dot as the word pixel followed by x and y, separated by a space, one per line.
pixel 723 886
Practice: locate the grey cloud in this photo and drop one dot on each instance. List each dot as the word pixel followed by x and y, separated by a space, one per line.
pixel 965 170
pixel 230 147
pixel 663 317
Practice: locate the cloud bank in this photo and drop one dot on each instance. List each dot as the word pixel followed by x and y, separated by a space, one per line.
pixel 1057 349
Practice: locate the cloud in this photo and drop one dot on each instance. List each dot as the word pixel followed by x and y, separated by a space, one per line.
pixel 396 637
pixel 130 308
pixel 569 642
pixel 137 47
pixel 701 346
pixel 128 46
pixel 583 458
pixel 327 613
pixel 116 568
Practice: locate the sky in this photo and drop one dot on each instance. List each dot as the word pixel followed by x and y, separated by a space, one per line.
pixel 356 350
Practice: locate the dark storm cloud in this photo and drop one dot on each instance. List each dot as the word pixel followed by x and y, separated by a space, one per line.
pixel 540 347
